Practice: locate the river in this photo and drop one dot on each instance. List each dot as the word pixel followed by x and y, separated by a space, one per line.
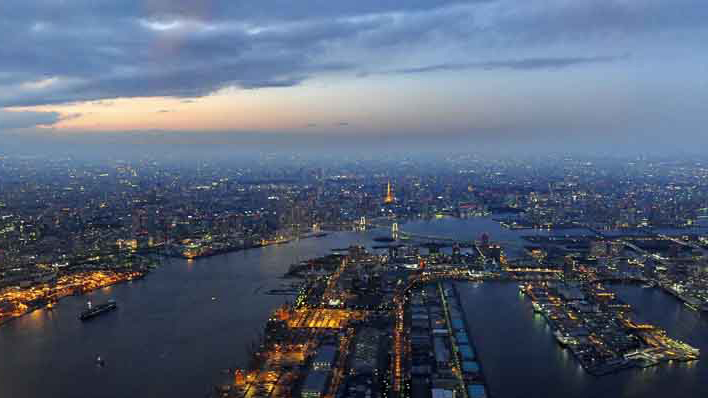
pixel 173 333
pixel 175 330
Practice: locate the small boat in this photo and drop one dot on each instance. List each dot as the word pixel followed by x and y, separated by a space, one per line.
pixel 99 361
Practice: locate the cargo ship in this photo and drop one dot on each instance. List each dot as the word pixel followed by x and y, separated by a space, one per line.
pixel 92 311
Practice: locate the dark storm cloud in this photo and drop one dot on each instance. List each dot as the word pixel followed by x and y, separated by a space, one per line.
pixel 83 50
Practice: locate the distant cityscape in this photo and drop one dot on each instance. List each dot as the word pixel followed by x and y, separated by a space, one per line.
pixel 388 320
pixel 353 199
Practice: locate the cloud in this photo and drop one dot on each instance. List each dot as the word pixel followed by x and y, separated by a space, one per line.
pixel 518 64
pixel 88 50
pixel 70 116
pixel 27 119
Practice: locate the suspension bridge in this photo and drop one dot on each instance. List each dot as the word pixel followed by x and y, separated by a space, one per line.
pixel 398 234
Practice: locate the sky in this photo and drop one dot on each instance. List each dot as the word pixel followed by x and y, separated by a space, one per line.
pixel 530 73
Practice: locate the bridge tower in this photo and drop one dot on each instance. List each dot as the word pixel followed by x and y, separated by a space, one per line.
pixel 394 230
pixel 362 223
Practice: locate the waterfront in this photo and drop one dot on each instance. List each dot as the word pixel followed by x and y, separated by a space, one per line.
pixel 173 333
pixel 178 328
pixel 521 355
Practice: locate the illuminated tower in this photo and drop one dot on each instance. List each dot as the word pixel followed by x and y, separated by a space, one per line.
pixel 389 194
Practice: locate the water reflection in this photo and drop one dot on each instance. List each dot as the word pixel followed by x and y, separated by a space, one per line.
pixel 513 344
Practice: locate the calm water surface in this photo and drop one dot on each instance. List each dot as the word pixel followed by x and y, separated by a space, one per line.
pixel 522 359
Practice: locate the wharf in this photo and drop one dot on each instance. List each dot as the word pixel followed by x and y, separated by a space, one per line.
pixel 618 343
pixel 475 387
pixel 689 302
pixel 437 324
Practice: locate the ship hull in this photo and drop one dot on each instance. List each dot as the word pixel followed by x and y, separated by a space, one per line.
pixel 96 311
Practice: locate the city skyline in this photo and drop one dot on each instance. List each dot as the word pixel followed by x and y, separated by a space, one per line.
pixel 353 199
pixel 338 277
